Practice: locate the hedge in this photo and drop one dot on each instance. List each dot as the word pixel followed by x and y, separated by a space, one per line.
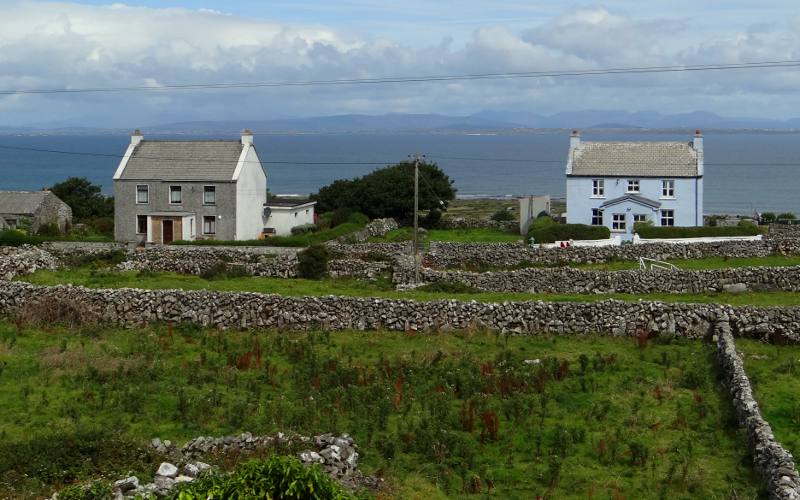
pixel 660 232
pixel 544 230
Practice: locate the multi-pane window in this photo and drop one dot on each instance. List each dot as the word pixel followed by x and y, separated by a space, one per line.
pixel 633 185
pixel 209 225
pixel 141 224
pixel 639 218
pixel 175 195
pixel 668 217
pixel 597 217
pixel 618 222
pixel 598 187
pixel 667 189
pixel 142 194
pixel 209 195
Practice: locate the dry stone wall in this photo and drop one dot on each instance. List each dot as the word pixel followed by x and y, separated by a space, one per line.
pixel 510 255
pixel 774 464
pixel 197 260
pixel 571 280
pixel 22 260
pixel 475 223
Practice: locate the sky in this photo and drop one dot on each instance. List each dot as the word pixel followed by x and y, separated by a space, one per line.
pixel 92 43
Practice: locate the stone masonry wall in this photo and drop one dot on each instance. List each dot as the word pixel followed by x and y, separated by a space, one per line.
pixel 508 255
pixel 571 280
pixel 773 463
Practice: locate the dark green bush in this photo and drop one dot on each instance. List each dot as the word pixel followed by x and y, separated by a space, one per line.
pixel 432 220
pixel 48 230
pixel 503 215
pixel 223 270
pixel 340 216
pixel 312 263
pixel 545 230
pixel 304 229
pixel 448 287
pixel 276 478
pixel 786 216
pixel 97 490
pixel 768 218
pixel 656 232
pixel 14 238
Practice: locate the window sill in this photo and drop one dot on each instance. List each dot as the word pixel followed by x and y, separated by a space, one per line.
pixel 633 192
pixel 209 204
pixel 619 230
pixel 668 198
pixel 597 197
pixel 142 202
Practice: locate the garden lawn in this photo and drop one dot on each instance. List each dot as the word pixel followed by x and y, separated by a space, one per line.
pixel 774 372
pixel 103 278
pixel 438 415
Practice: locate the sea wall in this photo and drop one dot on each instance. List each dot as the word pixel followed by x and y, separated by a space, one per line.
pixel 509 255
pixel 773 463
pixel 130 307
pixel 571 280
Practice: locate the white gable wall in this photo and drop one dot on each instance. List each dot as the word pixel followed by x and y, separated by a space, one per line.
pixel 251 195
pixel 283 219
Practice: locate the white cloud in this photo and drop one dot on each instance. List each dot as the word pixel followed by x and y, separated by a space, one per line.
pixel 55 45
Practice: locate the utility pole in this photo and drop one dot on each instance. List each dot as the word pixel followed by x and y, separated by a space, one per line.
pixel 416 157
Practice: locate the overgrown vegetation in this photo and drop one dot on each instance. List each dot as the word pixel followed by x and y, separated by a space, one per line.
pixel 438 415
pixel 658 232
pixel 312 263
pixel 546 230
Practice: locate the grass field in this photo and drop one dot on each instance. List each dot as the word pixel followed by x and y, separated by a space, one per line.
pixel 101 278
pixel 450 235
pixel 439 416
pixel 707 263
pixel 774 372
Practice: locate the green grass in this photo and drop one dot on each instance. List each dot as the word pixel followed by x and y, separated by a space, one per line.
pixel 706 263
pixel 383 288
pixel 450 235
pixel 596 416
pixel 300 240
pixel 774 372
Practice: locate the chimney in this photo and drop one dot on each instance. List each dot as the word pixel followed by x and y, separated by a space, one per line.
pixel 136 137
pixel 247 137
pixel 697 142
pixel 574 139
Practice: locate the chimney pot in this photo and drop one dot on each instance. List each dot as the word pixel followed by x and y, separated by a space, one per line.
pixel 698 133
pixel 247 136
pixel 136 137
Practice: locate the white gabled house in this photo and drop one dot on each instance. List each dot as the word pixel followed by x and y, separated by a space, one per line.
pixel 616 184
pixel 173 190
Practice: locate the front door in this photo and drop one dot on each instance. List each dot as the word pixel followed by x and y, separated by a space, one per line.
pixel 166 226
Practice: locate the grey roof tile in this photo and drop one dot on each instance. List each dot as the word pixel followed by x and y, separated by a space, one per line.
pixel 183 161
pixel 635 159
pixel 21 202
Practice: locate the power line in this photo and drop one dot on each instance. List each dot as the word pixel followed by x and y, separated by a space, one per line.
pixel 417 79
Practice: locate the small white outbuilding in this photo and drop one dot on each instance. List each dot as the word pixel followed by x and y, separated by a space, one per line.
pixel 283 214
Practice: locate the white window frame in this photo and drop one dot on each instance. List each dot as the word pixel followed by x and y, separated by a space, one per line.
pixel 597 215
pixel 215 195
pixel 212 227
pixel 598 188
pixel 617 225
pixel 147 193
pixel 145 224
pixel 180 195
pixel 634 186
pixel 669 218
pixel 668 189
pixel 643 217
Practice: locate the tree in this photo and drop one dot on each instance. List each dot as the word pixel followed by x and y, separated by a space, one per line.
pixel 86 199
pixel 389 192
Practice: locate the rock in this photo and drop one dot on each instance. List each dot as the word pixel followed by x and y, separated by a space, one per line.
pixel 183 479
pixel 163 482
pixel 127 484
pixel 167 469
pixel 734 288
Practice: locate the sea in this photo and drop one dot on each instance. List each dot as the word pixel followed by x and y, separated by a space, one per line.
pixel 746 172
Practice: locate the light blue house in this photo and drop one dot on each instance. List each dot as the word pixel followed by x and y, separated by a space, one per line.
pixel 616 184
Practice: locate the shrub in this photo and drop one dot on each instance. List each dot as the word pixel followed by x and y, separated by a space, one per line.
pixel 448 287
pixel 304 229
pixel 545 230
pixel 312 263
pixel 97 490
pixel 340 216
pixel 223 270
pixel 15 238
pixel 102 225
pixel 48 230
pixel 786 216
pixel 276 477
pixel 503 215
pixel 656 232
pixel 768 218
pixel 49 311
pixel 432 219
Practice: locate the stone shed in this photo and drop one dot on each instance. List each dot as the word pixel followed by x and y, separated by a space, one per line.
pixel 32 209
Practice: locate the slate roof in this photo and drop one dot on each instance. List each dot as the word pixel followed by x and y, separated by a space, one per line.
pixel 635 159
pixel 641 200
pixel 183 161
pixel 287 202
pixel 21 202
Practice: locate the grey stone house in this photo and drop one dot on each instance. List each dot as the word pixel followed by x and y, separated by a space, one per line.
pixel 181 190
pixel 31 210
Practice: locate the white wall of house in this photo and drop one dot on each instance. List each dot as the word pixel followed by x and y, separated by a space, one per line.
pixel 251 195
pixel 283 219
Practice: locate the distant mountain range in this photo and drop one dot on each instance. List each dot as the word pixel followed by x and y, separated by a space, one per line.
pixel 484 121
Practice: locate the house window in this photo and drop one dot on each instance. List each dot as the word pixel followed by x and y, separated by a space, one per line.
pixel 618 222
pixel 597 217
pixel 141 224
pixel 598 188
pixel 209 225
pixel 142 194
pixel 175 195
pixel 12 223
pixel 209 195
pixel 639 218
pixel 633 185
pixel 668 217
pixel 668 189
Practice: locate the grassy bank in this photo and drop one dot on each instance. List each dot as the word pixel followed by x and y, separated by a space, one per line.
pixel 706 263
pixel 439 416
pixel 450 235
pixel 382 288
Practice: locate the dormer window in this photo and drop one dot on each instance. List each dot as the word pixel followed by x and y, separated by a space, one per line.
pixel 633 185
